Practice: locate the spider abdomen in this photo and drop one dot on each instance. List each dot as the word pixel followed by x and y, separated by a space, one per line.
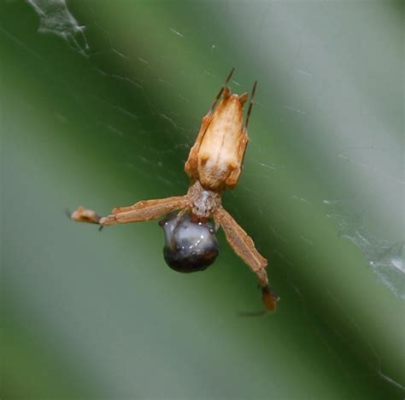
pixel 217 156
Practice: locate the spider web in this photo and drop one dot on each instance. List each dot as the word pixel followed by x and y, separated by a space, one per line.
pixel 322 192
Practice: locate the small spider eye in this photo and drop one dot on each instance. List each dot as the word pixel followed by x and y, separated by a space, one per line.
pixel 189 246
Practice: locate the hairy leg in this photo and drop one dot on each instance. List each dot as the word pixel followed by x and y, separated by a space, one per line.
pixel 142 211
pixel 244 247
pixel 84 215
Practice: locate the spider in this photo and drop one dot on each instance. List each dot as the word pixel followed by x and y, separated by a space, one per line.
pixel 214 164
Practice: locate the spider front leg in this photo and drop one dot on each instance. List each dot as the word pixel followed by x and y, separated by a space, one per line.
pixel 244 247
pixel 147 210
pixel 84 215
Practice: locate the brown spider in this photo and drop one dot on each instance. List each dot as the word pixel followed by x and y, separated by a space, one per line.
pixel 214 165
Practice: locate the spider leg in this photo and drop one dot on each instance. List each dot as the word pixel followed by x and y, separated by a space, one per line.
pixel 84 215
pixel 142 211
pixel 146 210
pixel 244 247
pixel 242 244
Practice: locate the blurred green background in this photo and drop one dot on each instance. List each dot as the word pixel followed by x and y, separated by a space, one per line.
pixel 100 103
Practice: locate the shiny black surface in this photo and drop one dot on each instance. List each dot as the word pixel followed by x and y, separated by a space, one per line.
pixel 189 246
